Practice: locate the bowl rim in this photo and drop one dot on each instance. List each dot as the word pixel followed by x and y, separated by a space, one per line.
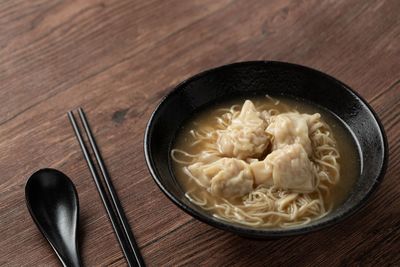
pixel 264 232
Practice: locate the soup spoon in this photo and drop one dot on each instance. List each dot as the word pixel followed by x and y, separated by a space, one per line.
pixel 52 201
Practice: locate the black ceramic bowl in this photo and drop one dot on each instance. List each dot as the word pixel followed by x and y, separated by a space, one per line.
pixel 259 78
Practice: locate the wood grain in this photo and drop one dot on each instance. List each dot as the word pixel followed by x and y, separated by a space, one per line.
pixel 118 58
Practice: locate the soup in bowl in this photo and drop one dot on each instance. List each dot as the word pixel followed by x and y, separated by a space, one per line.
pixel 265 149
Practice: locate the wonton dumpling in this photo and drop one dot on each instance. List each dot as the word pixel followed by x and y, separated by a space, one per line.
pixel 227 177
pixel 245 136
pixel 287 168
pixel 291 128
pixel 262 172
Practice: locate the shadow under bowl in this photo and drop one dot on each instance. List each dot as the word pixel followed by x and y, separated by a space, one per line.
pixel 249 79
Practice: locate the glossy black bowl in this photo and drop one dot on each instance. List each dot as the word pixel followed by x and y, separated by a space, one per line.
pixel 249 79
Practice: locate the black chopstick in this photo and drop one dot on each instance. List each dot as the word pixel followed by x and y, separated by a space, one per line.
pixel 113 206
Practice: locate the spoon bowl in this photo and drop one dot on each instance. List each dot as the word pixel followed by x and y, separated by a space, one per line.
pixel 52 201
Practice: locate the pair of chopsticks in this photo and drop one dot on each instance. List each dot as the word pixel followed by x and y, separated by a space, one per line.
pixel 113 205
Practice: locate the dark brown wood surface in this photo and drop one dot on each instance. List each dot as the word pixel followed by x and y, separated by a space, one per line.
pixel 118 58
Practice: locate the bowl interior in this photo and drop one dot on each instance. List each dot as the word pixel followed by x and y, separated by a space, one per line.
pixel 249 79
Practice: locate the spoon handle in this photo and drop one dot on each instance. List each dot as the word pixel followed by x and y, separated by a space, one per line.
pixel 69 258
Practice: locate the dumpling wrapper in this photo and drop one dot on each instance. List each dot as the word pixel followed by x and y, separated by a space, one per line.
pixel 227 177
pixel 245 137
pixel 291 128
pixel 287 168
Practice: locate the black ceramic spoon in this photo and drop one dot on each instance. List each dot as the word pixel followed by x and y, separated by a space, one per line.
pixel 53 203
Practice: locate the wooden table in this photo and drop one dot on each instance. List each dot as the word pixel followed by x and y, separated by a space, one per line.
pixel 118 58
